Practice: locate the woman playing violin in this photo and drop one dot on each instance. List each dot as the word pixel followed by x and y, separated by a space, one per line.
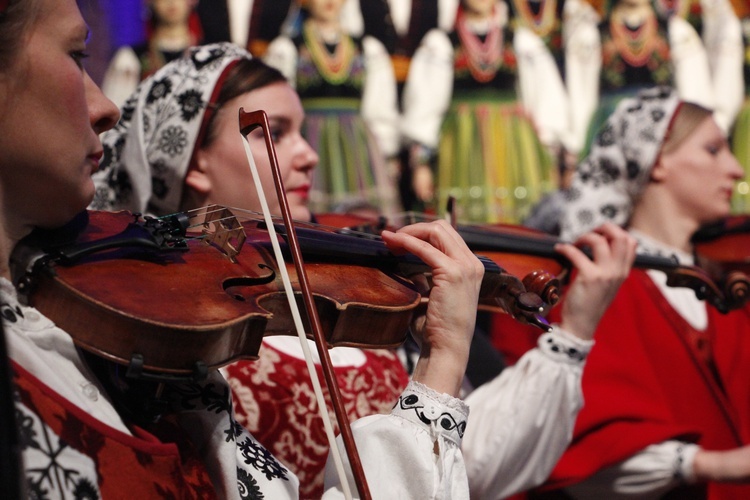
pixel 271 395
pixel 76 441
pixel 215 169
pixel 666 408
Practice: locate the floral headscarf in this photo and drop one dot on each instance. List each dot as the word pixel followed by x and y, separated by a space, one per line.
pixel 612 177
pixel 148 153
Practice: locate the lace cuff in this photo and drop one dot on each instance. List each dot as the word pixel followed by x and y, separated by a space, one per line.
pixel 564 347
pixel 444 415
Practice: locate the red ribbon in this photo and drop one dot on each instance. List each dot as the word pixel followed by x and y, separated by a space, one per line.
pixel 3 6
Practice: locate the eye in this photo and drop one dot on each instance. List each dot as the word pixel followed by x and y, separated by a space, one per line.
pixel 277 133
pixel 79 56
pixel 714 147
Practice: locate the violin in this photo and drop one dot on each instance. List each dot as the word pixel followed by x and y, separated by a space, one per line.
pixel 722 249
pixel 131 289
pixel 721 278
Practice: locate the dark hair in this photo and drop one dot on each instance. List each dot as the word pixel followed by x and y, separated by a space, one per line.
pixel 247 75
pixel 14 21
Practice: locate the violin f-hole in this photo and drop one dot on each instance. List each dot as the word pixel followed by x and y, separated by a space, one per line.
pixel 233 286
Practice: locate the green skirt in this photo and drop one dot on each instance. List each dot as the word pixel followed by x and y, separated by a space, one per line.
pixel 352 171
pixel 491 161
pixel 741 149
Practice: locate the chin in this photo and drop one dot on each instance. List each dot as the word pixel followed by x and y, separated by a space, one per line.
pixel 301 214
pixel 710 216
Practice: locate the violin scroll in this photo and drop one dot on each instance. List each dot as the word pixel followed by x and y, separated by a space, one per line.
pixel 544 284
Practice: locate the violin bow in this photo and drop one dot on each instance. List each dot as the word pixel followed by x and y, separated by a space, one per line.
pixel 248 122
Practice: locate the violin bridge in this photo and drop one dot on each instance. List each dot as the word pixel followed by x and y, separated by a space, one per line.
pixel 222 229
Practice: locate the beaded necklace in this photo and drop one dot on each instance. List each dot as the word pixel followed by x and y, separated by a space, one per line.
pixel 334 68
pixel 483 58
pixel 541 23
pixel 635 46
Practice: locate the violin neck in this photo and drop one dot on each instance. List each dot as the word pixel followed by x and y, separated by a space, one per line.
pixel 364 250
pixel 543 245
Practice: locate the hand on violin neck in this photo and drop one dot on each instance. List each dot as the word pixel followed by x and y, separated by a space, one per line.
pixel 597 279
pixel 451 311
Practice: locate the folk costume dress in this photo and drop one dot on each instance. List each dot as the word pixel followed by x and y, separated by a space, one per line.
pixel 349 95
pixel 487 100
pixel 274 400
pixel 607 60
pixel 668 372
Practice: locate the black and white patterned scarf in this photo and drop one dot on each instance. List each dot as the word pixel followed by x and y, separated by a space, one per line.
pixel 612 177
pixel 148 153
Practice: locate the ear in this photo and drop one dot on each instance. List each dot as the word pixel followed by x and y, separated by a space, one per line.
pixel 197 178
pixel 660 170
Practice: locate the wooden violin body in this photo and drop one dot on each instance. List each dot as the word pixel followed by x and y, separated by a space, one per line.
pixel 180 308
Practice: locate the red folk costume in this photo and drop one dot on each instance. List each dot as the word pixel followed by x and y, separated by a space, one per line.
pixel 652 377
pixel 274 400
pixel 667 370
pixel 167 469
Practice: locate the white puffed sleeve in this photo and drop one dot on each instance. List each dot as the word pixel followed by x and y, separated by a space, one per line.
pixel 522 421
pixel 379 106
pixel 722 37
pixel 648 474
pixel 428 89
pixel 692 75
pixel 583 63
pixel 541 88
pixel 282 55
pixel 122 76
pixel 447 14
pixel 412 453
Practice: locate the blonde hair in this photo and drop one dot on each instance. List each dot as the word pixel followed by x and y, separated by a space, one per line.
pixel 686 119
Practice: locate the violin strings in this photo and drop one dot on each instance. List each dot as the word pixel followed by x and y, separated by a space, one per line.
pixel 250 215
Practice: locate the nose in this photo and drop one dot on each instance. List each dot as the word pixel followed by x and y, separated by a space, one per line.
pixel 736 171
pixel 103 113
pixel 305 157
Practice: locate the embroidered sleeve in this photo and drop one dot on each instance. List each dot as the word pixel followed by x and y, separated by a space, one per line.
pixel 527 411
pixel 443 416
pixel 563 347
pixel 412 453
